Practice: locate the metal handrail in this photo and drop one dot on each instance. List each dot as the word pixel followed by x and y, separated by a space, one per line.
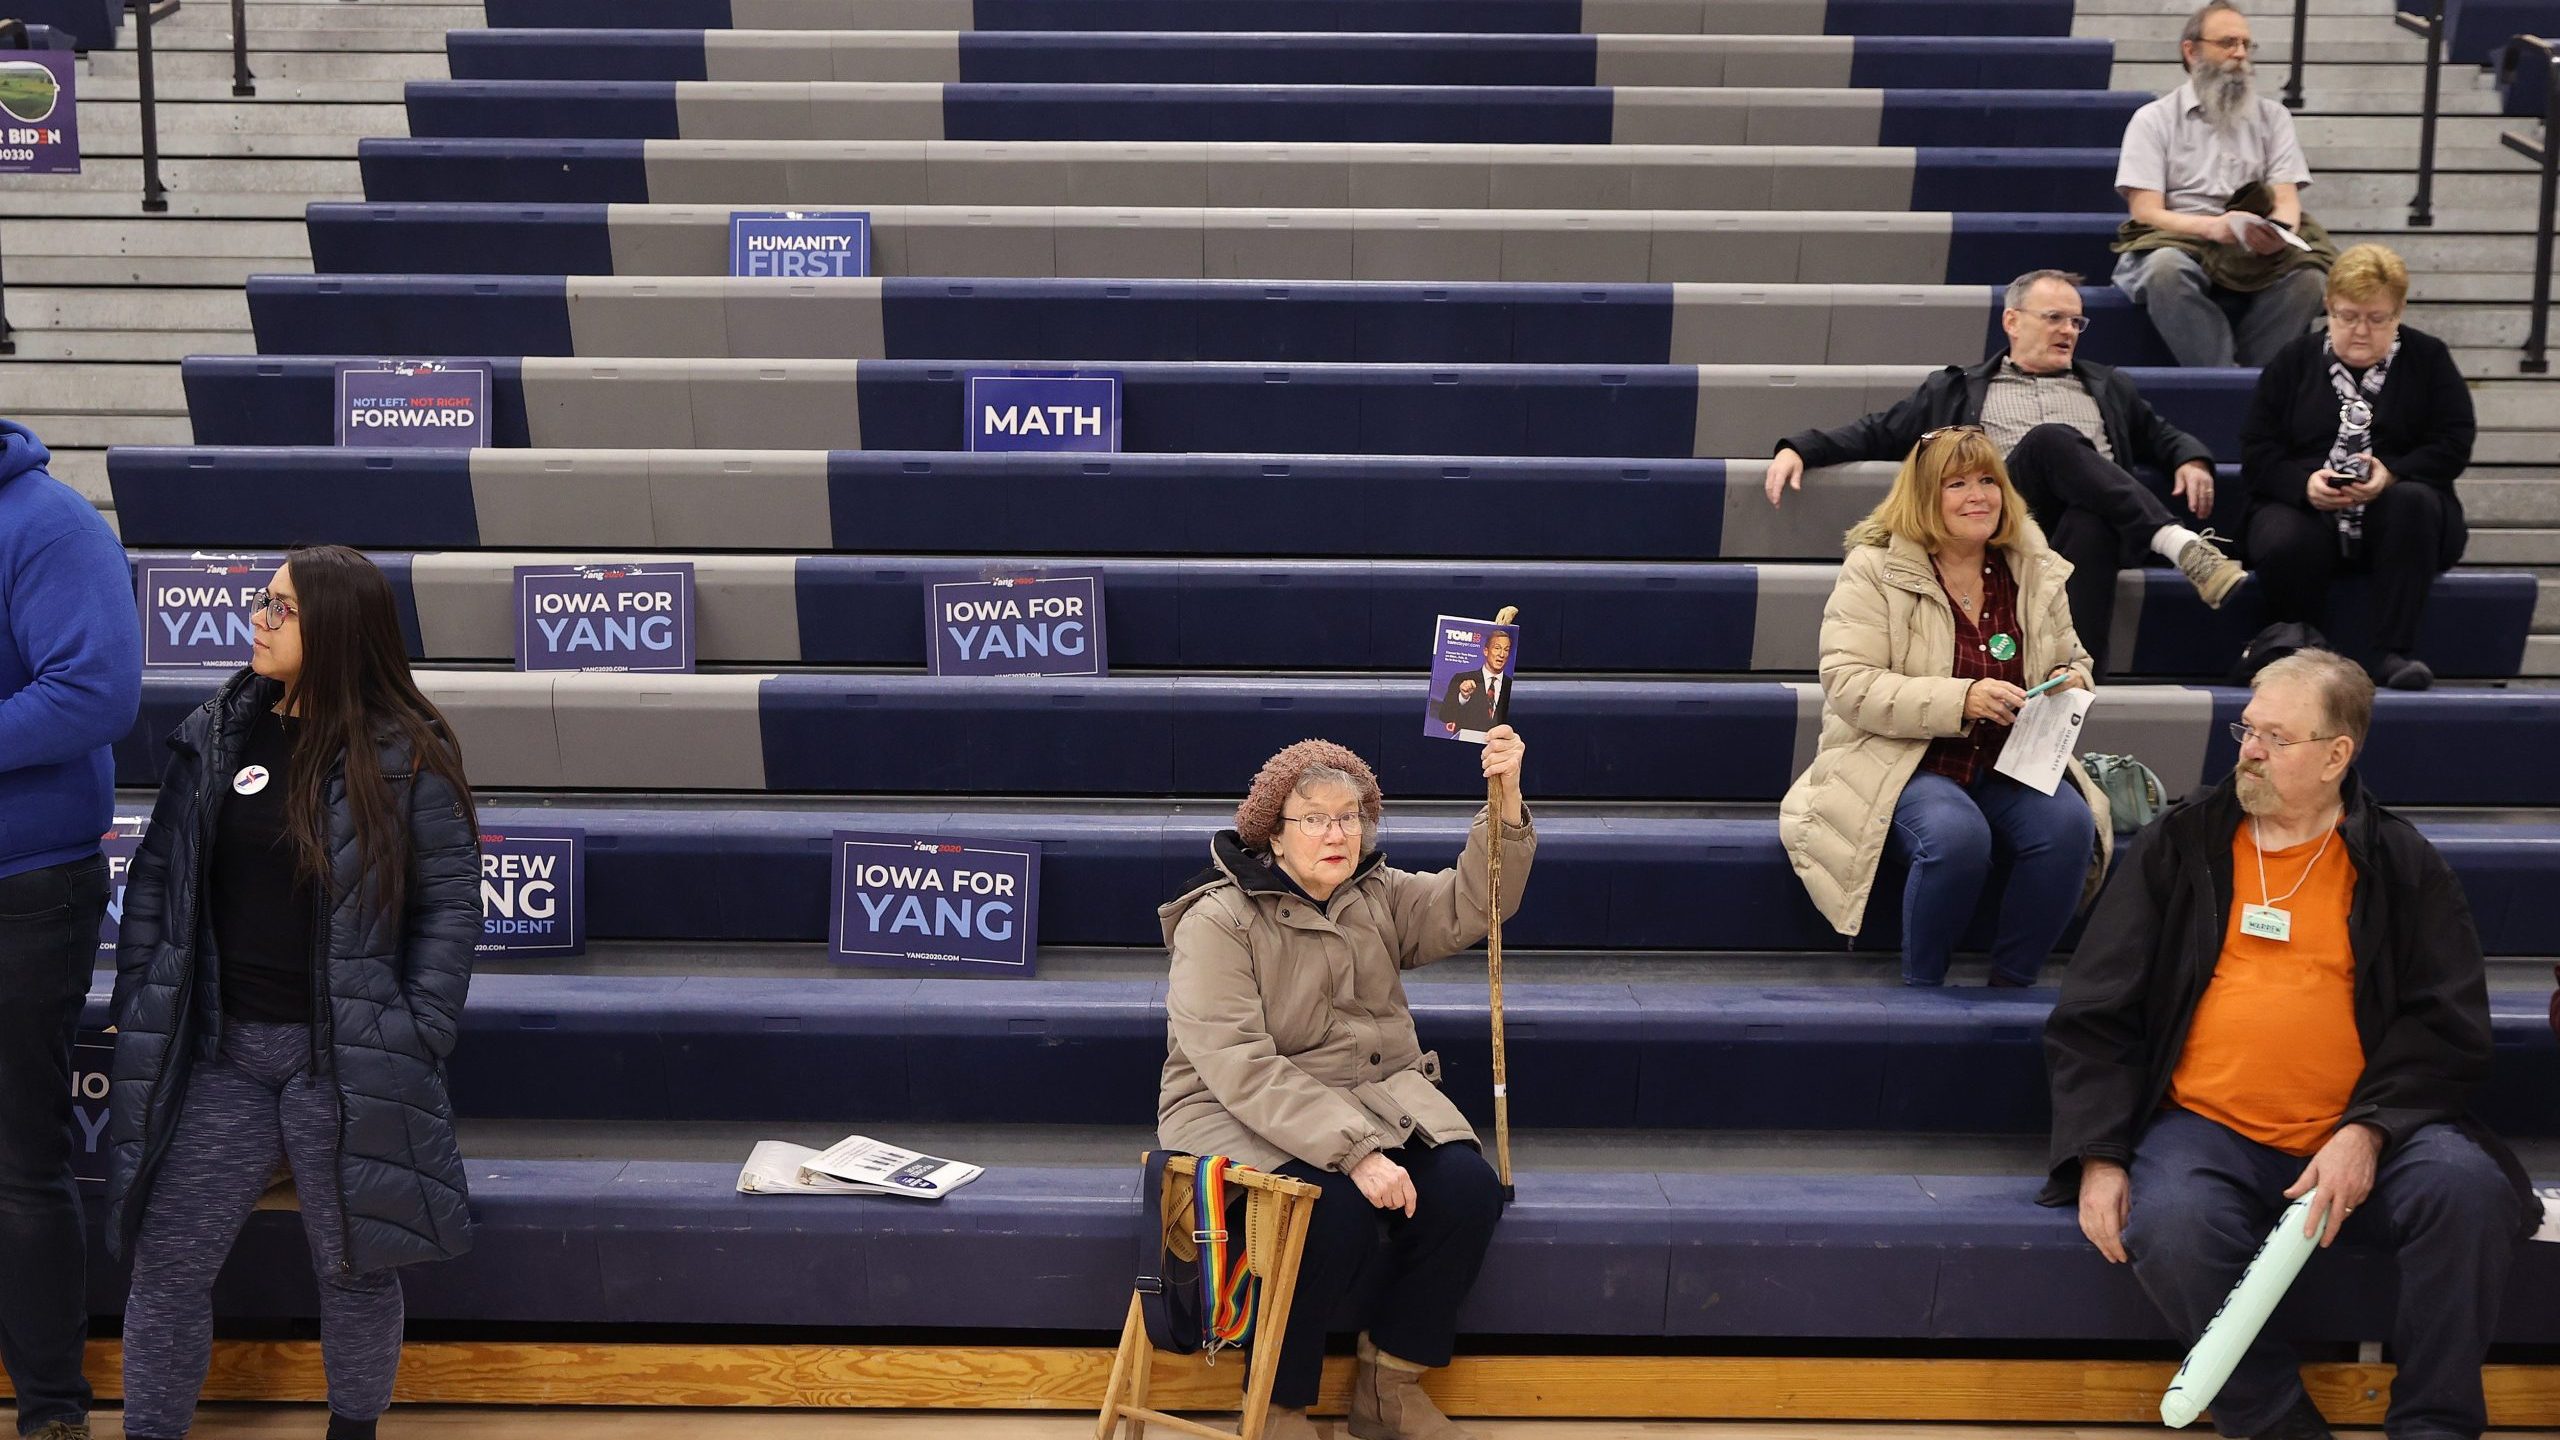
pixel 242 82
pixel 2537 340
pixel 13 35
pixel 2422 206
pixel 155 196
pixel 2293 75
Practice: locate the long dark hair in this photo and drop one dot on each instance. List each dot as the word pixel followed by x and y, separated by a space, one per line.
pixel 355 692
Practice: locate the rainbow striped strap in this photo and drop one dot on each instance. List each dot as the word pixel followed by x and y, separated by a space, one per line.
pixel 1227 1283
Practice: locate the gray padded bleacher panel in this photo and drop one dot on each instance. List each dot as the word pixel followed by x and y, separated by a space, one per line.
pixel 1015 241
pixel 871 110
pixel 1127 244
pixel 690 732
pixel 1811 521
pixel 747 605
pixel 2169 726
pixel 1140 173
pixel 1772 324
pixel 1786 619
pixel 1732 246
pixel 866 176
pixel 1806 117
pixel 1811 61
pixel 1743 408
pixel 1559 245
pixel 1440 177
pixel 768 55
pixel 853 14
pixel 1557 177
pixel 1674 179
pixel 1279 244
pixel 707 173
pixel 1888 324
pixel 706 317
pixel 684 239
pixel 1685 116
pixel 1278 177
pixel 1844 178
pixel 1409 245
pixel 572 403
pixel 721 110
pixel 1810 704
pixel 1671 17
pixel 742 499
pixel 553 499
pixel 778 405
pixel 466 602
pixel 1887 386
pixel 504 722
pixel 892 55
pixel 681 315
pixel 1874 248
pixel 815 319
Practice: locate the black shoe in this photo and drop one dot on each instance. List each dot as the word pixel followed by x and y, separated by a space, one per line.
pixel 2402 672
pixel 2303 1422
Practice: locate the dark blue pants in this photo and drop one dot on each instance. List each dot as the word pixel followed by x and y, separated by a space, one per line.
pixel 1430 1262
pixel 48 947
pixel 1952 837
pixel 2204 1198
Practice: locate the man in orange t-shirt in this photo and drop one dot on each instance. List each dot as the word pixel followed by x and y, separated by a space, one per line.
pixel 2281 993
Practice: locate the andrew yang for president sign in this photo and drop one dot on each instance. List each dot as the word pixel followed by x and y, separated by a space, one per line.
pixel 800 244
pixel 631 618
pixel 413 405
pixel 934 902
pixel 195 611
pixel 120 845
pixel 1071 412
pixel 533 893
pixel 1046 624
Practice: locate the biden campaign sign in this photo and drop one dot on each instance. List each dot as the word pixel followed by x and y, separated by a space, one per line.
pixel 533 892
pixel 413 405
pixel 1075 412
pixel 938 903
pixel 1038 624
pixel 634 618
pixel 800 244
pixel 195 611
pixel 120 844
pixel 39 114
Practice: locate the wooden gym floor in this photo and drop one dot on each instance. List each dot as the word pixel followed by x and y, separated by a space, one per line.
pixel 231 1422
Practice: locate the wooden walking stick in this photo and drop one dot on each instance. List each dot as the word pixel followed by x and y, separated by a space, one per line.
pixel 1493 965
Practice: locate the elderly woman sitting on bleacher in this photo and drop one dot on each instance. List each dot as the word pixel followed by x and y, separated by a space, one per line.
pixel 1950 604
pixel 1292 1049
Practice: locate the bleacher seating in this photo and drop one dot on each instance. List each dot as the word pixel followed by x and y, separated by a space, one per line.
pixel 1421 306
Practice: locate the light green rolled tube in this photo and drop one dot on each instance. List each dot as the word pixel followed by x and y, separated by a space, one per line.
pixel 2236 1325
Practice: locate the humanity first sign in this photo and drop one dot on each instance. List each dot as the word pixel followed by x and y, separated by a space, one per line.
pixel 413 405
pixel 936 902
pixel 800 244
pixel 1043 624
pixel 1075 412
pixel 632 618
pixel 533 892
pixel 195 611
pixel 39 114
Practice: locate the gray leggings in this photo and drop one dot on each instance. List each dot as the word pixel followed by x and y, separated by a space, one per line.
pixel 254 1106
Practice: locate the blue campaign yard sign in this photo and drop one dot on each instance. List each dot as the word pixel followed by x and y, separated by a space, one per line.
pixel 630 618
pixel 119 844
pixel 195 611
pixel 800 244
pixel 1029 624
pixel 93 1058
pixel 935 902
pixel 413 405
pixel 533 892
pixel 39 114
pixel 1076 412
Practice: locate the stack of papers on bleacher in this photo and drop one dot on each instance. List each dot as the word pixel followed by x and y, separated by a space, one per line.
pixel 855 1165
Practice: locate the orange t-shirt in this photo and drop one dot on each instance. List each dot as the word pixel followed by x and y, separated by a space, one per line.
pixel 2273 1052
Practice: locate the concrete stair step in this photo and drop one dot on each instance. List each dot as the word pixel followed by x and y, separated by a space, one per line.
pixel 2502 289
pixel 2528 405
pixel 2473 325
pixel 82 470
pixel 197 89
pixel 2362 130
pixel 128 308
pixel 160 347
pixel 2530 502
pixel 156 236
pixel 108 67
pixel 2401 155
pixel 296 38
pixel 2522 447
pixel 185 204
pixel 58 388
pixel 2507 192
pixel 185 119
pixel 2273 30
pixel 2272 21
pixel 200 174
pixel 2498 362
pixel 65 430
pixel 2493 548
pixel 352 15
pixel 2326 85
pixel 152 270
pixel 2546 605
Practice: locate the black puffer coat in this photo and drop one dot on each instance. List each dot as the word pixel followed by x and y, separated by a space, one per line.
pixel 393 996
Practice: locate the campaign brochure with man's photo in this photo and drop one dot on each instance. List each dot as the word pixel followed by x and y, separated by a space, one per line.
pixel 1471 673
pixel 855 1165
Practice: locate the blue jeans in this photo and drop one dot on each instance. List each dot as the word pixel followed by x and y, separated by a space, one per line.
pixel 1951 836
pixel 2204 1197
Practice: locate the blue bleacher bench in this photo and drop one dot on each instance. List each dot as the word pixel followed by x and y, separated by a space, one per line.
pixel 1196 58
pixel 1661 411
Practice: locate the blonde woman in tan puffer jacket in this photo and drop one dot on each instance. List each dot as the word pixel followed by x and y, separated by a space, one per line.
pixel 1949 606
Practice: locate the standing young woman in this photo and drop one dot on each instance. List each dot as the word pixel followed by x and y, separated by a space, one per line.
pixel 297 939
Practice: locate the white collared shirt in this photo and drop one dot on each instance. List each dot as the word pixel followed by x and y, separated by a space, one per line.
pixel 2170 147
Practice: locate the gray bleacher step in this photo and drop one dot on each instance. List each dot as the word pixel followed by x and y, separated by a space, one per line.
pixel 127 308
pixel 358 39
pixel 122 176
pixel 2343 87
pixel 160 346
pixel 82 470
pixel 183 204
pixel 125 142
pixel 345 15
pixel 2546 605
pixel 2478 325
pixel 385 70
pixel 2517 447
pixel 2499 547
pixel 98 431
pixel 197 89
pixel 233 271
pixel 2158 42
pixel 154 236
pixel 75 389
pixel 2505 191
pixel 2321 10
pixel 2341 139
pixel 2496 361
pixel 2541 656
pixel 2517 404
pixel 2272 31
pixel 2398 152
pixel 183 119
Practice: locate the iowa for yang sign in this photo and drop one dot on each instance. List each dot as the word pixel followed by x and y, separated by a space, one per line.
pixel 195 611
pixel 413 405
pixel 636 619
pixel 1044 624
pixel 935 902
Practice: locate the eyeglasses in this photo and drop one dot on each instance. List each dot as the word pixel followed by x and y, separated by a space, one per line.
pixel 2234 45
pixel 268 605
pixel 2073 323
pixel 2349 320
pixel 2244 734
pixel 1318 826
pixel 1928 435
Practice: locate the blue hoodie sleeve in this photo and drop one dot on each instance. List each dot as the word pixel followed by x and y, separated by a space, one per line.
pixel 71 614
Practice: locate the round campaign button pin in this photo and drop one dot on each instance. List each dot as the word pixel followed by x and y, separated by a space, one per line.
pixel 2003 648
pixel 250 780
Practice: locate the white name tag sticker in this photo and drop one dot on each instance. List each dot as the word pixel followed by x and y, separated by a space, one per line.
pixel 2266 922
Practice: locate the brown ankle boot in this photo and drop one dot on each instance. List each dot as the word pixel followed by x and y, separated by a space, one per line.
pixel 1387 1402
pixel 1279 1424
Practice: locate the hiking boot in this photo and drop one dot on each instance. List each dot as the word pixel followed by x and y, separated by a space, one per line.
pixel 1280 1424
pixel 62 1430
pixel 2214 574
pixel 2402 672
pixel 1387 1402
pixel 2303 1422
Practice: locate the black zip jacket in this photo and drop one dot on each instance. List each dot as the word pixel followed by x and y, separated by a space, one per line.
pixel 2137 434
pixel 2421 1001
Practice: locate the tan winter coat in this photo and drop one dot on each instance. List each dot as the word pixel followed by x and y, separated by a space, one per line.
pixel 1888 668
pixel 1287 1032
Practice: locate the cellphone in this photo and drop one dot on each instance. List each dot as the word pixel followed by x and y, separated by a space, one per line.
pixel 2357 466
